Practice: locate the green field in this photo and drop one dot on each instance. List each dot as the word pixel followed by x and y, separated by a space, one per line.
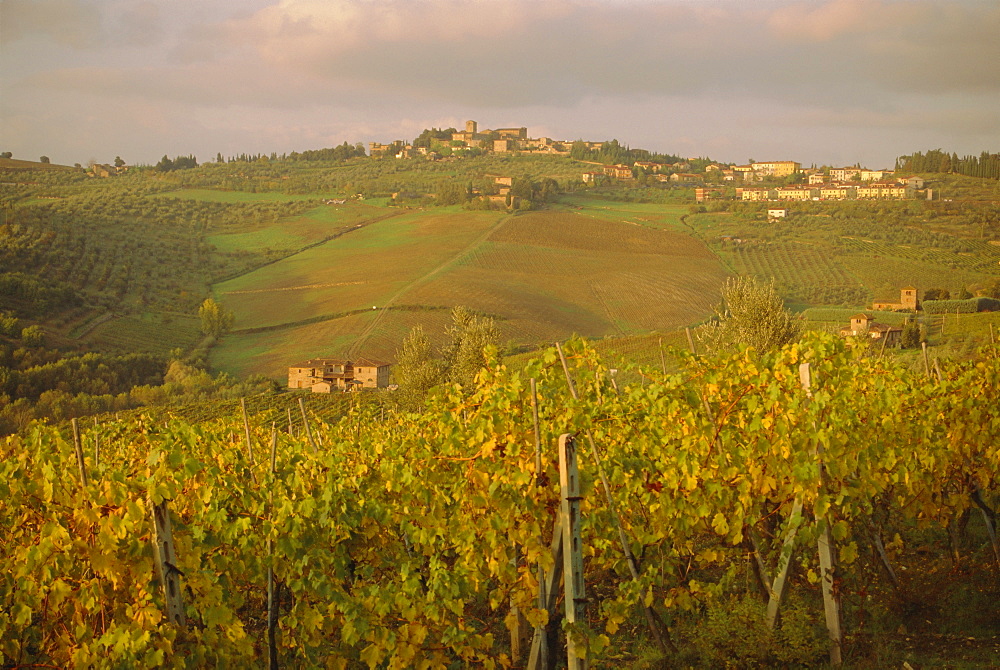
pixel 542 275
pixel 158 333
pixel 290 234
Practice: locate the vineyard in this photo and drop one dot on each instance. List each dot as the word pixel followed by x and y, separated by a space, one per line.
pixel 542 275
pixel 416 540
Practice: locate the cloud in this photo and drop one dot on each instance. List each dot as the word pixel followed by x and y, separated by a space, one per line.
pixel 72 23
pixel 520 52
pixel 669 72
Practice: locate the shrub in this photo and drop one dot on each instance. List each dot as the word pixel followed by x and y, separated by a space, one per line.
pixel 734 634
pixel 969 306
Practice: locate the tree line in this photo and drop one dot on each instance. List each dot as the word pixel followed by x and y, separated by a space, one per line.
pixel 984 165
pixel 613 152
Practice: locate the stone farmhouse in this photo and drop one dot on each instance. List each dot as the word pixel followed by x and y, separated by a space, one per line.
pixel 326 375
pixel 907 300
pixel 862 324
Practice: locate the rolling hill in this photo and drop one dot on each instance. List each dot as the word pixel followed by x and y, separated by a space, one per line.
pixel 542 275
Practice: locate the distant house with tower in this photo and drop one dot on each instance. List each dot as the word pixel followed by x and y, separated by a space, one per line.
pixel 907 301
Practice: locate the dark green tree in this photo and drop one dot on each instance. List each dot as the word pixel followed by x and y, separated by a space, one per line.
pixel 911 336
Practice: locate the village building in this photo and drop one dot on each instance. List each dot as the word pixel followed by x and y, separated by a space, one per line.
pixel 907 300
pixel 836 192
pixel 326 375
pixel 701 194
pixel 881 191
pixel 845 174
pixel 397 149
pixel 776 168
pixel 777 213
pixel 874 175
pixel 863 324
pixel 684 177
pixel 796 193
pixel 103 171
pixel 618 171
pixel 755 194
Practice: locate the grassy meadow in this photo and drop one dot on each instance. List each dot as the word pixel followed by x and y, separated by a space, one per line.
pixel 542 275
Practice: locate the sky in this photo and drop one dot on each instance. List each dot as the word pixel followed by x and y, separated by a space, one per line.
pixel 825 82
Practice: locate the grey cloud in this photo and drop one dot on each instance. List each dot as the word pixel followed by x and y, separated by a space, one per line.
pixel 802 51
pixel 73 23
pixel 669 73
pixel 139 23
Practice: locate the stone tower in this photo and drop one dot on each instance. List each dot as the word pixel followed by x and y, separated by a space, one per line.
pixel 471 127
pixel 908 297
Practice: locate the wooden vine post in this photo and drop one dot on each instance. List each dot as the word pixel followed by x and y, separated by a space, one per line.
pixel 660 634
pixel 305 424
pixel 78 448
pixel 166 563
pixel 687 331
pixel 246 433
pixel 575 592
pixel 540 657
pixel 780 584
pixel 831 599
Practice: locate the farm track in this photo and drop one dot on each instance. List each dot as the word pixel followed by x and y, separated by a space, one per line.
pixel 454 260
pixel 296 288
pixel 327 317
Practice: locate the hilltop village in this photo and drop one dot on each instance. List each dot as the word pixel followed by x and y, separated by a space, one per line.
pixel 782 180
pixel 436 144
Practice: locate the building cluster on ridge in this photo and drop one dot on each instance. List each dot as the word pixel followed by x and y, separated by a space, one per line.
pixel 500 140
pixel 824 187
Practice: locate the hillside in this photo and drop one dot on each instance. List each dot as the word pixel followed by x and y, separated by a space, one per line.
pixel 301 250
pixel 19 164
pixel 542 275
